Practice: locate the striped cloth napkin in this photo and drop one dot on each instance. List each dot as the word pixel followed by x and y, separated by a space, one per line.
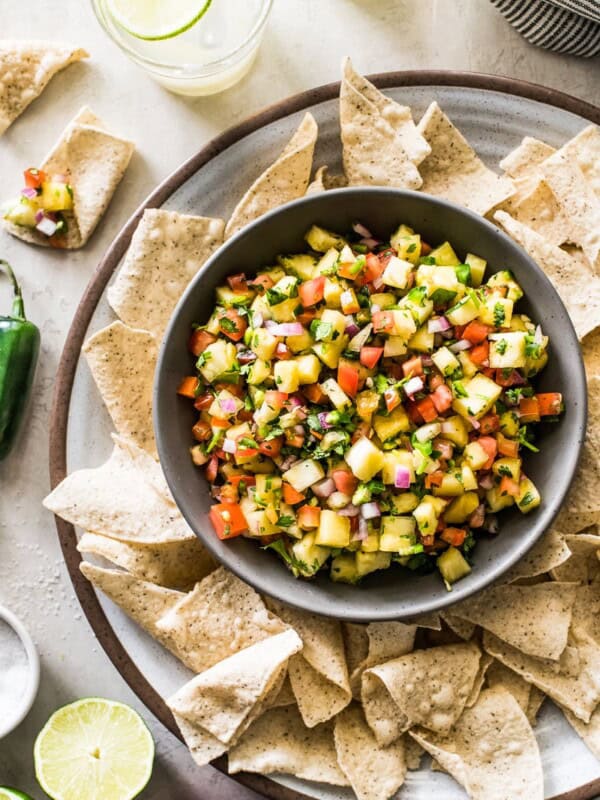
pixel 565 26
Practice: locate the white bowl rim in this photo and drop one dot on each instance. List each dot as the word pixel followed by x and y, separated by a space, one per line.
pixel 33 681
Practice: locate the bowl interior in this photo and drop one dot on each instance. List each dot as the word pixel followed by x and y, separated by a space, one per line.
pixel 394 593
pixel 7 725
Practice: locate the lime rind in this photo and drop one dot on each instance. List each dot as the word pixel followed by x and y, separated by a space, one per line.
pixel 132 16
pixel 101 746
pixel 6 793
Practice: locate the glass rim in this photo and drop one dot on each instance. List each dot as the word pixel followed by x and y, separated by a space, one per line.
pixel 164 67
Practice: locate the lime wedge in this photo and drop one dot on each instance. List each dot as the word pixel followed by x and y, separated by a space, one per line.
pixel 94 749
pixel 157 19
pixel 6 793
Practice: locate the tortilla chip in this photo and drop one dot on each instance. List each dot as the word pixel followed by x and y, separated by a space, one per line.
pixel 535 619
pixel 374 772
pixel 93 162
pixel 573 681
pixel 431 621
pixel 586 611
pixel 454 171
pixel 356 644
pixel 397 116
pixel 149 466
pixel 226 698
pixel 537 207
pixel 385 640
pixel 319 674
pixel 462 628
pixel 203 747
pixel 122 361
pixel 484 663
pixel 536 700
pixel 426 687
pixel 280 742
pixel 499 676
pixel 144 602
pixel 26 67
pixel 221 616
pixel 177 565
pixel 578 288
pixel 591 353
pixel 492 751
pixel 585 150
pixel 285 696
pixel 579 202
pixel 583 565
pixel 524 159
pixel 286 179
pixel 373 151
pixel 166 251
pixel 118 499
pixel 547 553
pixel 413 752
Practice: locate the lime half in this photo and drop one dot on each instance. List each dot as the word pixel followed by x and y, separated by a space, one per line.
pixel 6 793
pixel 94 749
pixel 157 19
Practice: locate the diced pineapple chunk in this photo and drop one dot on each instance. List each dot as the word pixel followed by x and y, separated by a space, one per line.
pixel 333 530
pixel 263 343
pixel 56 196
pixel 497 501
pixel 507 350
pixel 422 341
pixel 397 273
pixel 267 489
pixel 468 367
pixel 455 430
pixel 477 266
pixel 445 361
pixel 371 543
pixel 496 311
pixel 469 481
pixel 398 535
pixel 461 508
pixel 343 569
pixel 309 556
pixel 383 300
pixel 225 405
pixel 332 293
pixel 287 378
pixel 258 372
pixel 218 358
pixel 298 343
pixel 451 486
pixel 301 265
pixel 329 352
pixel 509 467
pixel 390 426
pixel 427 514
pixel 23 212
pixel 482 393
pixel 395 346
pixel 452 566
pixel 371 562
pixel 327 262
pixel 337 321
pixel 336 394
pixel 286 311
pixel 364 459
pixel 528 497
pixel 403 325
pixel 464 311
pixel 304 474
pixel 393 459
pixel 404 503
pixel 309 368
pixel 445 255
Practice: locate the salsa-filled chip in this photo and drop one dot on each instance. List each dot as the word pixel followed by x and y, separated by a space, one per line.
pixel 166 251
pixel 286 179
pixel 491 751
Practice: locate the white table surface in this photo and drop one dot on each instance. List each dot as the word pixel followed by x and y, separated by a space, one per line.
pixel 303 47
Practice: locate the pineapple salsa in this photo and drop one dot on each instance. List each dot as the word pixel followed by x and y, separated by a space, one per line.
pixel 367 403
pixel 41 203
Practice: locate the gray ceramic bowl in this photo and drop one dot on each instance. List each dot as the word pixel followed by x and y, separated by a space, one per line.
pixel 394 593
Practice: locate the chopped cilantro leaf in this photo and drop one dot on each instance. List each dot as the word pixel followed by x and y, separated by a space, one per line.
pixel 321 331
pixel 499 315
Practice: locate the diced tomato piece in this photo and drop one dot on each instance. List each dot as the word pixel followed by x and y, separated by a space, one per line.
pixel 233 388
pixel 435 380
pixel 480 354
pixel 188 387
pixel 442 398
pixel 201 431
pixel 232 324
pixel 203 402
pixel 489 424
pixel 489 373
pixel 506 447
pixel 425 248
pixel 509 486
pixel 276 400
pixel 219 422
pixel 369 356
pixel 307 317
pixel 490 445
pixel 508 378
pixel 347 378
pixel 248 480
pixel 272 447
pixel 228 493
pixel 199 341
pixel 283 352
pixel 311 292
pixel 434 479
pixel 247 452
pixel 34 178
pixel 476 332
pixel 291 496
pixel 351 270
pixel 314 393
pixel 454 536
pixel 529 409
pixel 383 321
pixel 345 481
pixel 414 366
pixel 309 516
pixel 363 429
pixel 211 469
pixel 549 403
pixel 237 283
pixel 427 409
pixel 413 413
pixel 293 439
pixel 393 370
pixel 262 282
pixel 373 269
pixel 477 518
pixel 228 520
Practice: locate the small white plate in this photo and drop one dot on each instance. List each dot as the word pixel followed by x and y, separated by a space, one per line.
pixel 8 725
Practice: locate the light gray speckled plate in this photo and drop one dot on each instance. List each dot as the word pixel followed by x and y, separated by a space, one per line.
pixel 494 114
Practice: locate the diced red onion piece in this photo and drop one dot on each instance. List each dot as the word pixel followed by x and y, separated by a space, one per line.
pixel 477 518
pixel 378 283
pixel 538 336
pixel 351 327
pixel 29 192
pixel 363 531
pixel 46 226
pixel 229 446
pixel 426 361
pixel 462 344
pixel 475 423
pixel 228 405
pixel 348 511
pixel 486 481
pixel 257 319
pixel 375 308
pixel 402 477
pixel 370 510
pixel 246 356
pixel 369 242
pixel 284 328
pixel 444 448
pixel 361 230
pixel 39 216
pixel 413 386
pixel 323 422
pixel 438 325
pixel 324 488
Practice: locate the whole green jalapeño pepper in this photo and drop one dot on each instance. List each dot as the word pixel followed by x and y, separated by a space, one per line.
pixel 19 349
